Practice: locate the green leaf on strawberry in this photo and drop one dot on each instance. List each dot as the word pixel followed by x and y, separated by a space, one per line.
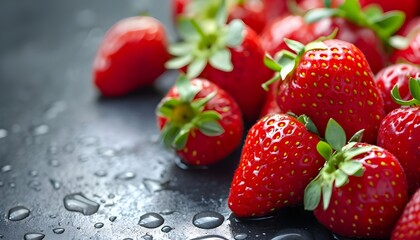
pixel 206 41
pixel 414 87
pixel 185 114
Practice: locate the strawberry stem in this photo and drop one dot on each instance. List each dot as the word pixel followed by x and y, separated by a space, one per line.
pixel 414 87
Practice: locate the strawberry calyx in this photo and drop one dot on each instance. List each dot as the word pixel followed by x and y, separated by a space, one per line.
pixel 206 42
pixel 385 25
pixel 338 167
pixel 414 87
pixel 185 114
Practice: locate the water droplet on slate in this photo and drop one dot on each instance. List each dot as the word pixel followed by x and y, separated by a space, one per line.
pixel 1 183
pixel 210 237
pixel 12 185
pixel 3 133
pixel 154 185
pixel 18 213
pixel 101 173
pixel 34 236
pixel 59 230
pixel 151 220
pixel 54 163
pixel 241 236
pixel 6 168
pixel 55 184
pixel 127 239
pixel 77 202
pixel 52 216
pixel 166 229
pixel 89 141
pixel 53 150
pixel 106 152
pixel 55 109
pixel 69 148
pixel 293 234
pixel 111 196
pixel 40 130
pixel 147 237
pixel 83 158
pixel 125 176
pixel 33 173
pixel 1 236
pixel 99 225
pixel 112 218
pixel 35 185
pixel 208 219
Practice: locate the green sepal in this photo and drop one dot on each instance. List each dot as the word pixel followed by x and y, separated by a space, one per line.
pixel 324 149
pixel 180 49
pixel 399 42
pixel 179 61
pixel 312 195
pixel 186 29
pixel 275 78
pixel 309 124
pixel 271 63
pixel 234 34
pixel 350 167
pixel 353 152
pixel 357 137
pixel 166 109
pixel 341 178
pixel 335 135
pixel 414 87
pixel 316 14
pixel 296 46
pixel 327 188
pixel 221 60
pixel 168 134
pixel 222 13
pixel 211 129
pixel 196 67
pixel 186 90
pixel 181 138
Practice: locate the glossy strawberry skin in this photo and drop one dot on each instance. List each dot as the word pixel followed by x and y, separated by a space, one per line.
pixel 334 83
pixel 278 160
pixel 395 74
pixel 252 13
pixel 411 54
pixel 132 55
pixel 247 76
pixel 367 206
pixel 408 225
pixel 204 150
pixel 399 133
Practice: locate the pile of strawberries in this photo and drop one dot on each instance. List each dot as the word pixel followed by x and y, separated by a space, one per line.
pixel 330 88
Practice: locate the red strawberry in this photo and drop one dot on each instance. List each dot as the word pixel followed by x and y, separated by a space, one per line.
pixel 330 79
pixel 410 54
pixel 251 12
pixel 229 55
pixel 395 74
pixel 399 133
pixel 200 121
pixel 363 188
pixel 278 160
pixel 409 7
pixel 408 225
pixel 131 55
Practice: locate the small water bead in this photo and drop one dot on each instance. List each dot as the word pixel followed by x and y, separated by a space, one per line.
pixel 77 202
pixel 112 218
pixel 18 213
pixel 147 237
pixel 1 183
pixel 89 141
pixel 54 109
pixel 128 239
pixel 241 236
pixel 69 148
pixel 125 176
pixel 6 168
pixel 106 152
pixel 55 184
pixel 151 220
pixel 210 237
pixel 101 173
pixel 99 225
pixel 208 219
pixel 34 236
pixel 53 150
pixel 59 230
pixel 33 173
pixel 166 229
pixel 35 185
pixel 3 133
pixel 154 185
pixel 12 184
pixel 54 163
pixel 40 130
pixel 111 196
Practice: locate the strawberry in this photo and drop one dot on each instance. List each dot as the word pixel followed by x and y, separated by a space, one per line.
pixel 409 7
pixel 363 187
pixel 408 225
pixel 395 74
pixel 278 160
pixel 132 55
pixel 251 12
pixel 229 55
pixel 399 133
pixel 200 121
pixel 411 54
pixel 329 79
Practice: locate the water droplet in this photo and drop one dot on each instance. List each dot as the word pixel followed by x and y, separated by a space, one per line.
pixel 53 150
pixel 55 184
pixel 83 158
pixel 151 220
pixel 111 196
pixel 69 148
pixel 293 234
pixel 106 152
pixel 210 237
pixel 35 185
pixel 33 173
pixel 125 176
pixel 59 230
pixel 18 213
pixel 34 236
pixel 40 130
pixel 166 229
pixel 147 237
pixel 1 183
pixel 112 218
pixel 241 236
pixel 89 141
pixel 127 239
pixel 77 202
pixel 53 216
pixel 55 108
pixel 208 220
pixel 6 168
pixel 99 225
pixel 54 163
pixel 3 133
pixel 101 173
pixel 154 185
pixel 12 184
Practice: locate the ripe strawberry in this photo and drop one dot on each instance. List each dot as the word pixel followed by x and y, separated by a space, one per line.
pixel 132 55
pixel 363 188
pixel 200 121
pixel 329 79
pixel 251 12
pixel 410 54
pixel 395 74
pixel 229 55
pixel 408 225
pixel 278 160
pixel 399 133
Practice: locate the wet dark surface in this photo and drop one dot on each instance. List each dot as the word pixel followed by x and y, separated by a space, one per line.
pixel 78 166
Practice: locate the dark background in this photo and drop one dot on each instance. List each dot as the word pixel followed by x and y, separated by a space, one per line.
pixel 58 136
